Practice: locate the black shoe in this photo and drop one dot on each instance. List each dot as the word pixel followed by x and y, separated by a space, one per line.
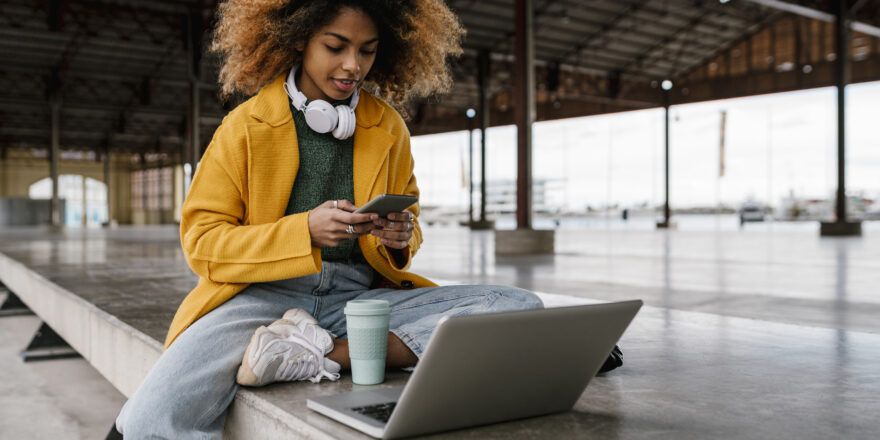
pixel 114 434
pixel 615 359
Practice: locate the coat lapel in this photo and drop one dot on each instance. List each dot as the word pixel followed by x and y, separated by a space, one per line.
pixel 371 146
pixel 273 155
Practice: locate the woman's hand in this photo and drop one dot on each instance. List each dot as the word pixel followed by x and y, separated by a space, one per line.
pixel 396 230
pixel 333 222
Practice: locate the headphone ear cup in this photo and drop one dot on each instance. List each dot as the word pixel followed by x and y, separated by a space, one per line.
pixel 352 121
pixel 339 131
pixel 321 116
pixel 345 127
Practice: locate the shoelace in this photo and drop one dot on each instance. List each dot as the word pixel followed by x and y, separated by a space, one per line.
pixel 310 366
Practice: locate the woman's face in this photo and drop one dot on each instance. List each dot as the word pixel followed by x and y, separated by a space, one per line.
pixel 339 56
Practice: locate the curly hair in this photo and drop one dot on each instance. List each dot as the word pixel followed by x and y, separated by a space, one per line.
pixel 256 41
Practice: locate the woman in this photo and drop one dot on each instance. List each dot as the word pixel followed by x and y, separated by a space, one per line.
pixel 269 223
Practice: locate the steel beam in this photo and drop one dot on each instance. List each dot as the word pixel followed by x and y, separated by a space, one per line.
pixel 55 17
pixel 603 29
pixel 651 54
pixel 815 14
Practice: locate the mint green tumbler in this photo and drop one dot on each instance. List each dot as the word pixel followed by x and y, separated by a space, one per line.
pixel 367 324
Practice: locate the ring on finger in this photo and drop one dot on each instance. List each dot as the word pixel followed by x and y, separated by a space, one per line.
pixel 391 224
pixel 336 205
pixel 351 230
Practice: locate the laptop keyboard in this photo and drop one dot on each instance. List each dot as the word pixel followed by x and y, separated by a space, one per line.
pixel 381 412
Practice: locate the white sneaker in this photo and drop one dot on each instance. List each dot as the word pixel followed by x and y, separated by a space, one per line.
pixel 311 331
pixel 288 350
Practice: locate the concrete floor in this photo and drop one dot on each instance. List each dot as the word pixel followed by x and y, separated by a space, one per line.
pixel 58 399
pixel 747 334
pixel 787 276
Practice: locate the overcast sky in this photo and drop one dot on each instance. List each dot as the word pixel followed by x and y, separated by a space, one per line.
pixel 775 145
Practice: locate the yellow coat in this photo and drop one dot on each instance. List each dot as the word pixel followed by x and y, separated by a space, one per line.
pixel 233 229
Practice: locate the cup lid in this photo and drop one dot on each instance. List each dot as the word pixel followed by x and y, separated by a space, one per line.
pixel 367 307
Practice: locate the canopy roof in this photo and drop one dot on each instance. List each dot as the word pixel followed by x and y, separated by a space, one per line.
pixel 121 69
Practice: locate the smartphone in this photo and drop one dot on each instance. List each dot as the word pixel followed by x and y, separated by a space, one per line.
pixel 383 204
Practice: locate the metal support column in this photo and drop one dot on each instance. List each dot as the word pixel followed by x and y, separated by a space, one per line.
pixel 107 166
pixel 840 226
pixel 524 107
pixel 84 218
pixel 842 68
pixel 194 58
pixel 470 180
pixel 666 211
pixel 483 73
pixel 54 152
pixel 194 116
pixel 145 207
pixel 667 214
pixel 524 240
pixel 183 157
pixel 4 170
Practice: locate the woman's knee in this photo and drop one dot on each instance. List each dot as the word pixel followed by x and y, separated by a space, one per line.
pixel 513 298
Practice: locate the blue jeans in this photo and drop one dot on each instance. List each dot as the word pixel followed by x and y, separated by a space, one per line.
pixel 186 393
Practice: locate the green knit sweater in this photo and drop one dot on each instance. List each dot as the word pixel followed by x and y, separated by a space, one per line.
pixel 326 172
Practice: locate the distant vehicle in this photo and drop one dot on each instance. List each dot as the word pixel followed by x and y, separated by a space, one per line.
pixel 751 212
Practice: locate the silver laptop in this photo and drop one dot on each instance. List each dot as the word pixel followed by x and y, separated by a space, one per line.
pixel 483 369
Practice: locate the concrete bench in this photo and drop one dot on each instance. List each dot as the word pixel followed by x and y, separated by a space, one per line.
pixel 111 295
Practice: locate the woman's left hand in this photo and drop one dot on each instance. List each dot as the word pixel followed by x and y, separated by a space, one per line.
pixel 396 230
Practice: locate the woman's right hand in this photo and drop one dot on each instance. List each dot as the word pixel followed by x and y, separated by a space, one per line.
pixel 329 223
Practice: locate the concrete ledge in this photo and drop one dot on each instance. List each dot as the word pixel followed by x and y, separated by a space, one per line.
pixel 840 229
pixel 253 417
pixel 124 355
pixel 524 242
pixel 121 353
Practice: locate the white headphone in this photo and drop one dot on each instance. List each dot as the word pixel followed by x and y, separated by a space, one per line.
pixel 320 115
